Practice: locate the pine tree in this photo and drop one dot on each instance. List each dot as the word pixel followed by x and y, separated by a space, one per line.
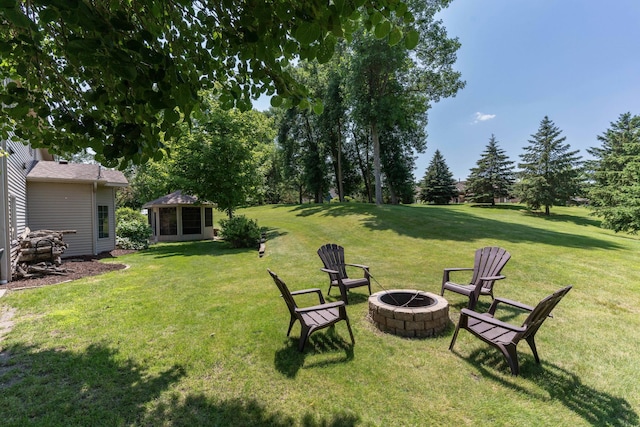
pixel 493 176
pixel 615 191
pixel 438 185
pixel 550 173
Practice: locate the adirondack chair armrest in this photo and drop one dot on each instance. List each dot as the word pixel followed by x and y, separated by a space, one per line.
pixel 445 277
pixel 483 317
pixel 328 270
pixel 491 278
pixel 310 291
pixel 364 267
pixel 494 305
pixel 335 304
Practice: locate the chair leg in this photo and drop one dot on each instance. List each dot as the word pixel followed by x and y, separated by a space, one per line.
pixel 455 335
pixel 291 322
pixel 353 341
pixel 343 293
pixel 509 352
pixel 304 335
pixel 532 343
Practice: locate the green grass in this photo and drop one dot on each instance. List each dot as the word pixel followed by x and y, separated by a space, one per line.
pixel 194 333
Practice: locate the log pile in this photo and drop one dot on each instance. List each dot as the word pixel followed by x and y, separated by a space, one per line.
pixel 38 253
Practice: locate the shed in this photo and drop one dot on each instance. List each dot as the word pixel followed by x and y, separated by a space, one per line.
pixel 179 217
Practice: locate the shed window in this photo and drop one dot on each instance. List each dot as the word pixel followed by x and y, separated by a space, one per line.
pixel 168 222
pixel 208 217
pixel 103 221
pixel 191 221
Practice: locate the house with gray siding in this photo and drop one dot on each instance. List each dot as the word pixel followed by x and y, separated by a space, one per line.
pixel 40 193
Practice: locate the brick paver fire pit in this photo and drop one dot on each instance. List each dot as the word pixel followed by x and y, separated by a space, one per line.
pixel 409 313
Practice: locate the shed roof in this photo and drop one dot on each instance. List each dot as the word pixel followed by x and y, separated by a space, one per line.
pixel 46 171
pixel 175 198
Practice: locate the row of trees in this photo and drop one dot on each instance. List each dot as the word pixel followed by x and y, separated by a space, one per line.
pixel 551 174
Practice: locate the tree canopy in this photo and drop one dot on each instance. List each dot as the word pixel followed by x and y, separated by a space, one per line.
pixel 438 186
pixel 615 191
pixel 493 175
pixel 550 173
pixel 119 77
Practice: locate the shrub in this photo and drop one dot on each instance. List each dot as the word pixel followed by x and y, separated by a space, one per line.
pixel 132 229
pixel 240 232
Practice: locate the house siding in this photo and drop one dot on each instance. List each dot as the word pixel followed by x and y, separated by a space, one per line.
pixel 55 206
pixel 105 197
pixel 18 161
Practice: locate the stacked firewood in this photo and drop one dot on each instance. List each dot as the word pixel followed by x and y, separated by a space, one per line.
pixel 38 253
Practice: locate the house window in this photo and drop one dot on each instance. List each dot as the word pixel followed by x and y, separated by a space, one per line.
pixel 103 222
pixel 208 217
pixel 168 222
pixel 191 221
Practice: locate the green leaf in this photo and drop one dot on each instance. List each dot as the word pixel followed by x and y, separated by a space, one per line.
pixel 376 18
pixel 318 107
pixel 411 39
pixel 382 29
pixel 49 15
pixel 307 34
pixel 276 101
pixel 395 36
pixel 171 116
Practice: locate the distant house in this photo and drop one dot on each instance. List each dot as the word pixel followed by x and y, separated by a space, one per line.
pixel 180 217
pixel 39 193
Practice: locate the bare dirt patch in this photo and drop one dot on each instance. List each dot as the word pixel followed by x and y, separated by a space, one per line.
pixel 77 268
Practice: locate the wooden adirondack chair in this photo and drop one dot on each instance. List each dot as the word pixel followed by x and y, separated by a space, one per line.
pixel 311 318
pixel 332 257
pixel 506 336
pixel 487 266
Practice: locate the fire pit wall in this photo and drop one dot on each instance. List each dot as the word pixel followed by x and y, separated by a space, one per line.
pixel 414 320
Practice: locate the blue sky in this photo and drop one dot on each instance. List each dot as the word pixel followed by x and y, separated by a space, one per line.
pixel 576 61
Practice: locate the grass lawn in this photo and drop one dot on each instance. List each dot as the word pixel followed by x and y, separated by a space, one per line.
pixel 195 333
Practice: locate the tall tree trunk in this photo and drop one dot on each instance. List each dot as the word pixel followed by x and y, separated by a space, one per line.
pixel 364 169
pixel 376 163
pixel 339 176
pixel 547 210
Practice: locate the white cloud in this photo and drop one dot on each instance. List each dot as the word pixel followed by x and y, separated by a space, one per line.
pixel 481 117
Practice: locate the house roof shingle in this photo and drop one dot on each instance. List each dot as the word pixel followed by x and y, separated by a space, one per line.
pixel 175 198
pixel 46 171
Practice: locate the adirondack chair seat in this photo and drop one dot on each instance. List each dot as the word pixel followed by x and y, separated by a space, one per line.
pixel 505 336
pixel 333 258
pixel 488 263
pixel 311 318
pixel 468 290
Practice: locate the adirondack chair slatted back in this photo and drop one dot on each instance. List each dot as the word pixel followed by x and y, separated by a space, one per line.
pixel 489 262
pixel 284 291
pixel 332 257
pixel 540 313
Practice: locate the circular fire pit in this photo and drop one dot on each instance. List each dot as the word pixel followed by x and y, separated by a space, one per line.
pixel 409 313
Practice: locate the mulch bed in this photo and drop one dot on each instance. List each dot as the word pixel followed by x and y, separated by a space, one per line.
pixel 77 268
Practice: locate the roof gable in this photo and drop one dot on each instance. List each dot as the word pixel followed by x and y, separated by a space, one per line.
pixel 175 198
pixel 46 171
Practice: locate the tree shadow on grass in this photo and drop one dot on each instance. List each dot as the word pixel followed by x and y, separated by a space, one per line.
pixel 443 223
pixel 594 406
pixel 323 348
pixel 61 387
pixel 199 410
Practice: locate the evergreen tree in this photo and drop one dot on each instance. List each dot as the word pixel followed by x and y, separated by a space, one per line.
pixel 438 185
pixel 615 190
pixel 493 176
pixel 550 173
